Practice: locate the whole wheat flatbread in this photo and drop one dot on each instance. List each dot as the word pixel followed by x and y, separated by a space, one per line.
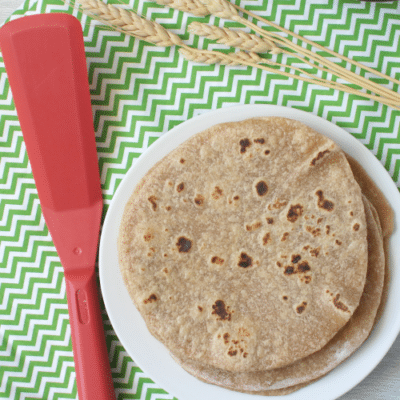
pixel 347 341
pixel 245 249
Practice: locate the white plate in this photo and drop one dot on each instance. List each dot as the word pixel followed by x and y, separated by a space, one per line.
pixel 153 358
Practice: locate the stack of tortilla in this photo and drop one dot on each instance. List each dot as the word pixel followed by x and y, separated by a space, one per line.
pixel 255 254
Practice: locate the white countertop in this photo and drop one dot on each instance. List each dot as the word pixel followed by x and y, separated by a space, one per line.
pixel 383 383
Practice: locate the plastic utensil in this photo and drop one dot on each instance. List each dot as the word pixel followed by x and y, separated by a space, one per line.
pixel 46 66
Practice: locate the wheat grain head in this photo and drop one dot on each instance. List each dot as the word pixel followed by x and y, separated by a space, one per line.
pixel 130 23
pixel 234 38
pixel 194 7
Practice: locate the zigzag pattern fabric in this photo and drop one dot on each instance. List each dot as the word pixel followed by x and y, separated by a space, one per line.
pixel 139 91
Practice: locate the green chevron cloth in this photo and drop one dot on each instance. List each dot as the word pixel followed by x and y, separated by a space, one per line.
pixel 139 91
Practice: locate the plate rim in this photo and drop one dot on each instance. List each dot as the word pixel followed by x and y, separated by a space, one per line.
pixel 167 142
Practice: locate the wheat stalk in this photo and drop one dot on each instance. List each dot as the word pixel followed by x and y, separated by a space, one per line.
pixel 130 23
pixel 233 38
pixel 225 9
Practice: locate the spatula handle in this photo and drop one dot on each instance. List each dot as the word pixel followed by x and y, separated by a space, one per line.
pixel 90 353
pixel 46 65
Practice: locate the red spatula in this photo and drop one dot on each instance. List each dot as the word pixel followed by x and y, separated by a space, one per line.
pixel 46 66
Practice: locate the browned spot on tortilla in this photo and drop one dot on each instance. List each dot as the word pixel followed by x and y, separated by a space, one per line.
pixel 322 202
pixel 217 193
pixel 301 307
pixel 147 237
pixel 296 258
pixel 338 242
pixel 151 299
pixel 232 352
pixel 315 252
pixel 180 187
pixel 278 264
pixel 314 231
pixel 270 221
pixel 200 308
pixel 339 304
pixel 289 270
pixel 284 297
pixel 277 205
pixel 153 201
pixel 217 260
pixel 306 247
pixel 328 229
pixel 168 208
pixel 319 220
pixel 266 238
pixel 319 156
pixel 199 200
pixel 284 236
pixel 165 270
pixel 259 140
pixel 303 267
pixel 244 144
pixel 184 244
pixel 226 337
pixel 356 227
pixel 351 213
pixel 262 188
pixel 299 268
pixel 236 198
pixel 221 311
pixel 266 152
pixel 182 160
pixel 245 260
pixel 294 212
pixel 253 227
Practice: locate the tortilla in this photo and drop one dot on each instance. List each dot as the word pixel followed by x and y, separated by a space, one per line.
pixel 347 341
pixel 245 249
